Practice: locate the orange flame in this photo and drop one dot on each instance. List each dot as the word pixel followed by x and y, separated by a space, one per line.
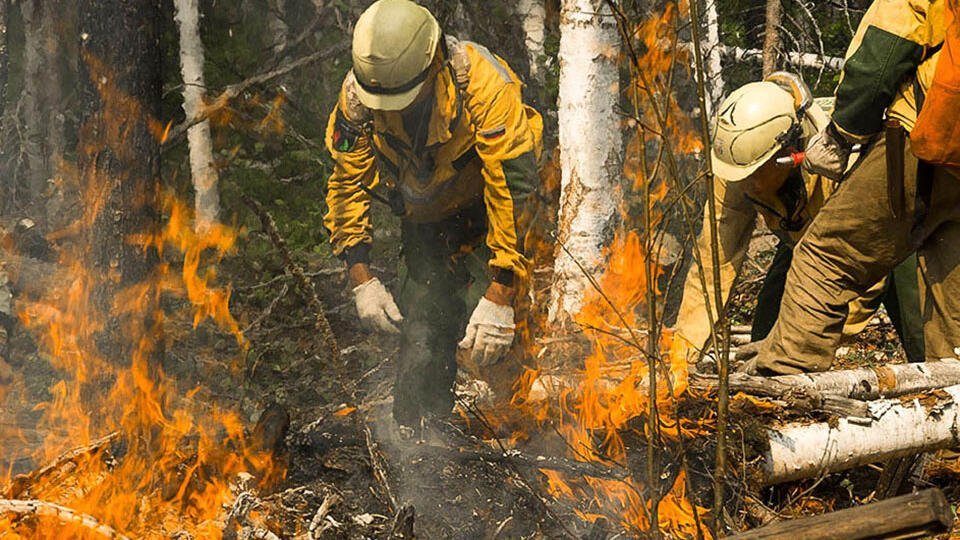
pixel 177 458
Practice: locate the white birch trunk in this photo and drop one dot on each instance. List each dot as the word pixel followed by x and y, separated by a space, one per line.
pixel 590 148
pixel 202 170
pixel 533 14
pixel 713 67
pixel 894 429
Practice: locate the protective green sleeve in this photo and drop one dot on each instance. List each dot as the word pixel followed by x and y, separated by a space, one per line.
pixel 888 46
pixel 871 78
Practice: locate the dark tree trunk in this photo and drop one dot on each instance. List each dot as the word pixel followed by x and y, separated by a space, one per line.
pixel 4 53
pixel 45 23
pixel 7 192
pixel 119 156
pixel 771 36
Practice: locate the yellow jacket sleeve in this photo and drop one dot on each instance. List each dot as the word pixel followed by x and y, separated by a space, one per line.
pixel 348 206
pixel 508 142
pixel 735 225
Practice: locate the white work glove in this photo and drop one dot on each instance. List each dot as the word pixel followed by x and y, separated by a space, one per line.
pixel 828 153
pixel 376 307
pixel 489 333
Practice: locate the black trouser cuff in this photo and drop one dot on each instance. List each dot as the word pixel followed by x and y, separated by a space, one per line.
pixel 359 253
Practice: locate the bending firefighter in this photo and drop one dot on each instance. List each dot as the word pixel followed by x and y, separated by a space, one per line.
pixel 436 129
pixel 758 128
pixel 890 204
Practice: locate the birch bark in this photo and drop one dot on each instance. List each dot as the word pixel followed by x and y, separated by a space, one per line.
pixel 533 14
pixel 590 148
pixel 202 169
pixel 714 68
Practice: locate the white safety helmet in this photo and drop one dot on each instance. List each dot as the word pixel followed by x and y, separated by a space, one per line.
pixel 755 122
pixel 393 47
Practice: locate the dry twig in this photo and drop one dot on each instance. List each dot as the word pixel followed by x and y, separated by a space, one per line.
pixel 23 482
pixel 62 513
pixel 322 324
pixel 234 90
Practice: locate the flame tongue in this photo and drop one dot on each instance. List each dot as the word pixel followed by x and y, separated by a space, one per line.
pixel 169 469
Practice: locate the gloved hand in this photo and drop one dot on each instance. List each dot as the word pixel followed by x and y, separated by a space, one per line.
pixel 489 333
pixel 376 307
pixel 828 153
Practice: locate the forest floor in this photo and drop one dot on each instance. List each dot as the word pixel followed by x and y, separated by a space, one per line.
pixel 345 448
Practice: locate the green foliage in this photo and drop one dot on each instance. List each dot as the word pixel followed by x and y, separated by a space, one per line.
pixel 272 152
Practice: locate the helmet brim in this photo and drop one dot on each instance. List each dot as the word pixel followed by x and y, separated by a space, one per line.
pixel 737 173
pixel 389 102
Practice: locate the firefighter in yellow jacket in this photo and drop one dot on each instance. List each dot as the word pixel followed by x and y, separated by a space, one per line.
pixel 887 207
pixel 757 130
pixel 436 129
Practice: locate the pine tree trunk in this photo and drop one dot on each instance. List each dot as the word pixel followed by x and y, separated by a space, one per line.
pixel 202 169
pixel 590 148
pixel 118 154
pixel 7 186
pixel 4 53
pixel 43 119
pixel 31 106
pixel 771 37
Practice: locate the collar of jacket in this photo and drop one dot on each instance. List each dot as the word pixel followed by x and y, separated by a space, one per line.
pixel 443 116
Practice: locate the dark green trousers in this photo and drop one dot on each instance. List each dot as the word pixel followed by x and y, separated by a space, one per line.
pixel 901 300
pixel 443 276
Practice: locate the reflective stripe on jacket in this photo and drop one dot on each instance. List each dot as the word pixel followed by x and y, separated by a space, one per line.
pixel 482 144
pixel 896 44
pixel 736 222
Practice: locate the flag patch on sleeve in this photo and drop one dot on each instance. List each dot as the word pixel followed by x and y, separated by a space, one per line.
pixel 344 136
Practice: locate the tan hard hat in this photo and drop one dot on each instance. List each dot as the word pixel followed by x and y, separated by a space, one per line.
pixel 751 126
pixel 393 46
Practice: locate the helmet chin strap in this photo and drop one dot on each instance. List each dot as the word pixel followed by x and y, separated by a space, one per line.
pixel 802 100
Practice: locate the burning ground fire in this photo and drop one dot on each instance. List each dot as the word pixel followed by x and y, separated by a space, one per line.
pixel 609 393
pixel 169 464
pixel 131 456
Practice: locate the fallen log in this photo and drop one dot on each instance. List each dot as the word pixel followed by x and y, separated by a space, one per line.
pixel 916 515
pixel 862 383
pixel 893 429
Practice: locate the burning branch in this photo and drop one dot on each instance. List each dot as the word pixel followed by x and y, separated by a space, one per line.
pixel 61 513
pixel 23 482
pixel 234 90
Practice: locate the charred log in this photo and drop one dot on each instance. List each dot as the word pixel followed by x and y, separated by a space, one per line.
pixel 916 515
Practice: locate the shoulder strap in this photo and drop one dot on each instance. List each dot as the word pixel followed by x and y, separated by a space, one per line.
pixel 458 60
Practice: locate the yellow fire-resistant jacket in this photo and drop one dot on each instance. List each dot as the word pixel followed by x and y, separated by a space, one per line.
pixel 787 214
pixel 482 145
pixel 896 46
